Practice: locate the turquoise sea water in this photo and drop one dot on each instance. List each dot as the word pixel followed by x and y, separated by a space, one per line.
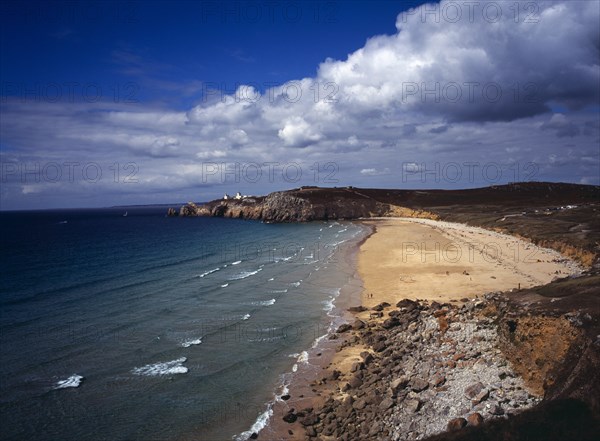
pixel 143 327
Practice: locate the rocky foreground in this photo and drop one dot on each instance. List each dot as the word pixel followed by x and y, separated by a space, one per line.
pixel 428 368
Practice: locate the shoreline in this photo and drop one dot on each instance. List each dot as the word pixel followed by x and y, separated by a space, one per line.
pixel 314 360
pixel 377 248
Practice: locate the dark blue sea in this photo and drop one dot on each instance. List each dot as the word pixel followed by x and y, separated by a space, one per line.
pixel 143 327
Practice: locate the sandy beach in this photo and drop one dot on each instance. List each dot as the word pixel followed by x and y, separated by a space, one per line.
pixel 443 261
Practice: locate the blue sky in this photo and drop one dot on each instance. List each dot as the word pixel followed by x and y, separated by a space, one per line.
pixel 168 49
pixel 108 103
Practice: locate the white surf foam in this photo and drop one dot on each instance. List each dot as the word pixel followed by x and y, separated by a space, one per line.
pixel 303 358
pixel 245 316
pixel 188 343
pixel 258 425
pixel 318 340
pixel 73 381
pixel 225 285
pixel 264 302
pixel 163 368
pixel 329 304
pixel 208 272
pixel 237 262
pixel 245 274
pixel 283 259
pixel 284 391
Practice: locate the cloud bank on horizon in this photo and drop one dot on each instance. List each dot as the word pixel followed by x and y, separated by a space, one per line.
pixel 459 96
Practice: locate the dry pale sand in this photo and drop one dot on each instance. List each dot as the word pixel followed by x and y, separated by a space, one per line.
pixel 443 261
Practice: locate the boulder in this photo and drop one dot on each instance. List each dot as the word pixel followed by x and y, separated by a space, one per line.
pixel 475 419
pixel 390 323
pixel 343 328
pixel 398 384
pixel 456 424
pixel 309 420
pixel 290 417
pixel 355 382
pixel 412 405
pixel 473 390
pixel 418 384
pixel 358 324
pixel 386 404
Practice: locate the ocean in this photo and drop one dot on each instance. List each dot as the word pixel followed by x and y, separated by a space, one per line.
pixel 143 327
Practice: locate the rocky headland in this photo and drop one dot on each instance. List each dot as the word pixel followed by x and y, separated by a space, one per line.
pixel 300 205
